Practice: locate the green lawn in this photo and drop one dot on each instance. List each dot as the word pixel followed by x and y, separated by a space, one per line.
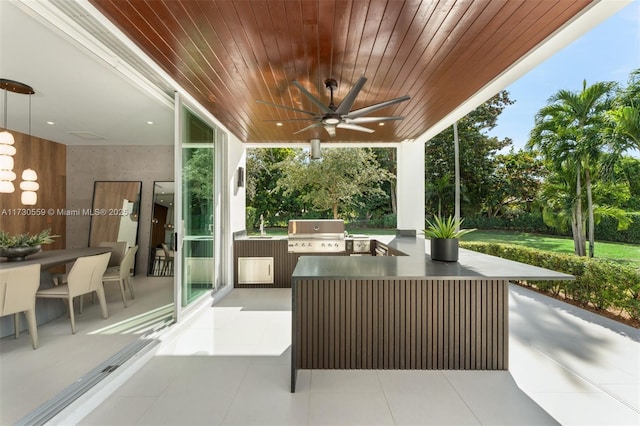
pixel 623 253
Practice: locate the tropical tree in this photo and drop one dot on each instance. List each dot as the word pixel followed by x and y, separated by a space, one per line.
pixel 515 183
pixel 262 190
pixel 625 116
pixel 337 182
pixel 477 159
pixel 570 131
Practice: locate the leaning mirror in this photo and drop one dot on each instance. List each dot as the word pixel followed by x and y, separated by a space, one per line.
pixel 115 212
pixel 162 220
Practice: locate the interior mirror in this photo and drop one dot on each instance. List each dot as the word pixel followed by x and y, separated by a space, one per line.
pixel 115 212
pixel 162 229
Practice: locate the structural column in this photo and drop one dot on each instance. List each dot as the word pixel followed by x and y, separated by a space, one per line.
pixel 410 187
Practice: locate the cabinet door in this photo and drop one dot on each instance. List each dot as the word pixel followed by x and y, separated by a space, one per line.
pixel 255 270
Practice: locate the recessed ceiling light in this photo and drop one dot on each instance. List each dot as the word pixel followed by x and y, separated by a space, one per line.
pixel 150 123
pixel 279 124
pixel 380 124
pixel 51 123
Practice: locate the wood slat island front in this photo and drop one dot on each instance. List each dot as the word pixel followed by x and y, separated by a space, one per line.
pixel 404 312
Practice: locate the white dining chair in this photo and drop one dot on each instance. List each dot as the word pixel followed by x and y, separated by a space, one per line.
pixel 122 273
pixel 84 277
pixel 167 269
pixel 118 251
pixel 18 287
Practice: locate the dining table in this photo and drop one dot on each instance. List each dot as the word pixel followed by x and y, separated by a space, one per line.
pixel 52 258
pixel 46 309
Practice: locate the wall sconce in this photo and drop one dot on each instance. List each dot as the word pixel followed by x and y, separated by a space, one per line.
pixel 315 149
pixel 240 177
pixel 29 186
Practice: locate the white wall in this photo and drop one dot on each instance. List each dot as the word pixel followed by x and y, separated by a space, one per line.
pixel 410 186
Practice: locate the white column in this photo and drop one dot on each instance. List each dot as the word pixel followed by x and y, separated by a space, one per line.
pixel 410 188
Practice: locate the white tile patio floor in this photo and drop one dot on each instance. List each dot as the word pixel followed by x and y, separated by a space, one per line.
pixel 230 366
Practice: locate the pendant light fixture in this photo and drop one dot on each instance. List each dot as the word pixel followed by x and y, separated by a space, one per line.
pixel 29 186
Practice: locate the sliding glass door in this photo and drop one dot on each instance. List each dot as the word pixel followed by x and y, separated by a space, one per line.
pixel 196 243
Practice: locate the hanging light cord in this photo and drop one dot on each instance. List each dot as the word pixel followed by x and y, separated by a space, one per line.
pixel 5 108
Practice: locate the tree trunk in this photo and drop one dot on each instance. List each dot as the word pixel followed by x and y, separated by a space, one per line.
pixel 579 237
pixel 394 207
pixel 587 183
pixel 335 210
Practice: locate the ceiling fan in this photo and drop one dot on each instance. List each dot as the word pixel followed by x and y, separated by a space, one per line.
pixel 340 116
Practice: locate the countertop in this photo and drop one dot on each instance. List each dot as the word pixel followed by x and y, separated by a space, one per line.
pixel 418 264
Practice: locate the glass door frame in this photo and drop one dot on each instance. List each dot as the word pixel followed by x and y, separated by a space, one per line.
pixel 220 198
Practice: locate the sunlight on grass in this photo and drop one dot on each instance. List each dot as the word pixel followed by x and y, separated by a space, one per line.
pixel 628 254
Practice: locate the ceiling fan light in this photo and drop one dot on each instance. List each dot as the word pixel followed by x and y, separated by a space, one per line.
pixel 6 138
pixel 332 121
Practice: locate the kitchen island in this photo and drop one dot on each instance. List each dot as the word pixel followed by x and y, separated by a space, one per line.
pixel 404 312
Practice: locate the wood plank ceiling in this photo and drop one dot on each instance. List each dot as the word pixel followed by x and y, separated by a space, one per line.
pixel 230 53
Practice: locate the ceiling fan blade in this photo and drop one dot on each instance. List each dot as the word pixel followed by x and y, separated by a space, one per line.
pixel 309 127
pixel 331 129
pixel 355 127
pixel 347 102
pixel 363 120
pixel 290 119
pixel 325 109
pixel 366 110
pixel 286 107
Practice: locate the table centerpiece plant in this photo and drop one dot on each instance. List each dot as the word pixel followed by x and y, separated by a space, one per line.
pixel 444 233
pixel 17 247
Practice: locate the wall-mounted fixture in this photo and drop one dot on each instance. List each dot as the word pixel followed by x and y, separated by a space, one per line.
pixel 240 177
pixel 29 186
pixel 315 149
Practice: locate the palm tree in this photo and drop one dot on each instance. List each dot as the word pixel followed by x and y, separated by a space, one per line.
pixel 572 125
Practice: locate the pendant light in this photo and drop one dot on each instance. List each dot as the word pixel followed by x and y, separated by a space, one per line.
pixel 29 186
pixel 7 151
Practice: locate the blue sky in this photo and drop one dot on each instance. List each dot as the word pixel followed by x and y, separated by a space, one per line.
pixel 609 52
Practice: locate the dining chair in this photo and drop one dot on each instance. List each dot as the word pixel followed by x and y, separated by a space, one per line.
pixel 118 251
pixel 122 273
pixel 167 269
pixel 84 277
pixel 18 287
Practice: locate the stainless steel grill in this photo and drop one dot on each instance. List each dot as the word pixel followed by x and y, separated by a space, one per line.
pixel 316 236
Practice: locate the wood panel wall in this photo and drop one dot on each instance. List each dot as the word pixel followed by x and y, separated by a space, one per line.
pixel 110 196
pixel 283 262
pixel 49 160
pixel 400 324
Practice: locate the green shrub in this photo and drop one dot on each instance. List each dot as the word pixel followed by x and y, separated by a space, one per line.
pixel 251 218
pixel 601 284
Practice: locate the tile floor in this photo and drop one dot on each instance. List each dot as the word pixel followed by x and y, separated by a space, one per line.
pixel 30 378
pixel 230 366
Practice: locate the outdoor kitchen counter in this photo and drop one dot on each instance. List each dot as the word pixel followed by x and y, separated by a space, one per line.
pixel 418 264
pixel 404 312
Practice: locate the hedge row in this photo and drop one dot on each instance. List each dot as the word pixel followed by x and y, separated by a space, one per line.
pixel 606 230
pixel 601 284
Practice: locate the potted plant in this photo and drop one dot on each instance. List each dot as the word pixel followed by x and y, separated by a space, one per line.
pixel 444 234
pixel 17 247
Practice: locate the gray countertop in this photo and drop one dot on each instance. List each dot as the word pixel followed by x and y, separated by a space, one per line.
pixel 418 264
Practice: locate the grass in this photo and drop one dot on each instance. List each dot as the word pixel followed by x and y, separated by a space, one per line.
pixel 628 254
